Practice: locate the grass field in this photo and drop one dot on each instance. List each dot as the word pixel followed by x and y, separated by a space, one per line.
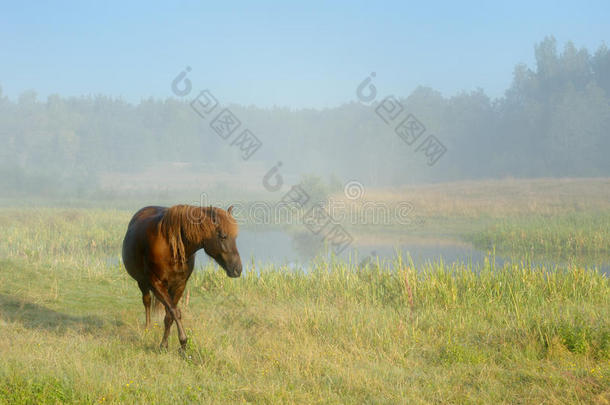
pixel 71 321
pixel 445 334
pixel 563 235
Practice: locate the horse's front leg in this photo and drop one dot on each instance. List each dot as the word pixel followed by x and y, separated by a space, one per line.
pixel 172 313
pixel 176 294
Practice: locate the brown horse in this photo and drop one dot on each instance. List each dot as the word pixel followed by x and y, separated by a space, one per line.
pixel 159 253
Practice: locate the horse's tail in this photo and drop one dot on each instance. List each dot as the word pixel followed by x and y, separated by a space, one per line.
pixel 157 307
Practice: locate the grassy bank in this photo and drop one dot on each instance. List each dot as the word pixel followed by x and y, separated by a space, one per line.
pixel 335 334
pixel 564 235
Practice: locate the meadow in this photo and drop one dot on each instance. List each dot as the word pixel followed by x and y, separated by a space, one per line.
pixel 562 235
pixel 72 322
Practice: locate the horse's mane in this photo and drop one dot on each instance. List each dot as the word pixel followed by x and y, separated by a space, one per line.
pixel 182 223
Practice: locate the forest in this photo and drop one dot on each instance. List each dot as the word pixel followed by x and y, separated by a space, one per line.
pixel 553 121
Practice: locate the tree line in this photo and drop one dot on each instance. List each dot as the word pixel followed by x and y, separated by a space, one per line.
pixel 553 120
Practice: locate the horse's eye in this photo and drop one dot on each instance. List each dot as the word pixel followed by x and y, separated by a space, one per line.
pixel 222 236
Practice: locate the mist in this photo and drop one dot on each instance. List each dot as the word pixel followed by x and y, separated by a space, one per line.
pixel 553 121
pixel 317 202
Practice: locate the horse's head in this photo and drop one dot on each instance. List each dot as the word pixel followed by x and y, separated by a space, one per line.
pixel 221 246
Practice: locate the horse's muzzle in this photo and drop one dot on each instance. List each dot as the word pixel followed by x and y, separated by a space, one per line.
pixel 234 272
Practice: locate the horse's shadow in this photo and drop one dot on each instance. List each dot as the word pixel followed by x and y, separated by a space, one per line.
pixel 36 316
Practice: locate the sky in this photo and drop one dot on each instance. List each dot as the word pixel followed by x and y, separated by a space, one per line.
pixel 288 54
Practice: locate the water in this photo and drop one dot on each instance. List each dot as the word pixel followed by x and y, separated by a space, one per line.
pixel 296 250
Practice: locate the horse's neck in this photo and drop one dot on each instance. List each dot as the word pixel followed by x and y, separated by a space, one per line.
pixel 191 248
pixel 194 243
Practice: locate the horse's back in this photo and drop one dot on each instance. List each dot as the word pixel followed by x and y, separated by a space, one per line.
pixel 146 213
pixel 135 243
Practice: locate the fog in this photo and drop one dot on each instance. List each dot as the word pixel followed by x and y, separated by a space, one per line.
pixel 337 202
pixel 553 121
pixel 171 101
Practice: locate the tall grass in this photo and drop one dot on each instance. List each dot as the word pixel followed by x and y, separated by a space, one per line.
pixel 568 234
pixel 71 328
pixel 336 333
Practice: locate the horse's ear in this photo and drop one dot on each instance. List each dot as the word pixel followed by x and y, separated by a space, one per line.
pixel 230 210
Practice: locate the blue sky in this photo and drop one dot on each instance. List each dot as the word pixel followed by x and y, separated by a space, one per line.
pixel 309 54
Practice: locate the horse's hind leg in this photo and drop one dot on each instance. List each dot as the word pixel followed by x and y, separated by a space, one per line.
pixel 146 300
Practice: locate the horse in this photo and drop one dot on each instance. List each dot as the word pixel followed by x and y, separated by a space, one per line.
pixel 159 253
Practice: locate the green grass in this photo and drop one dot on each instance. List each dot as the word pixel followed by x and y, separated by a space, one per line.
pixel 71 328
pixel 332 335
pixel 563 235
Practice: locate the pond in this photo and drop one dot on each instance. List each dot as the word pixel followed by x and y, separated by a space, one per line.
pixel 296 250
